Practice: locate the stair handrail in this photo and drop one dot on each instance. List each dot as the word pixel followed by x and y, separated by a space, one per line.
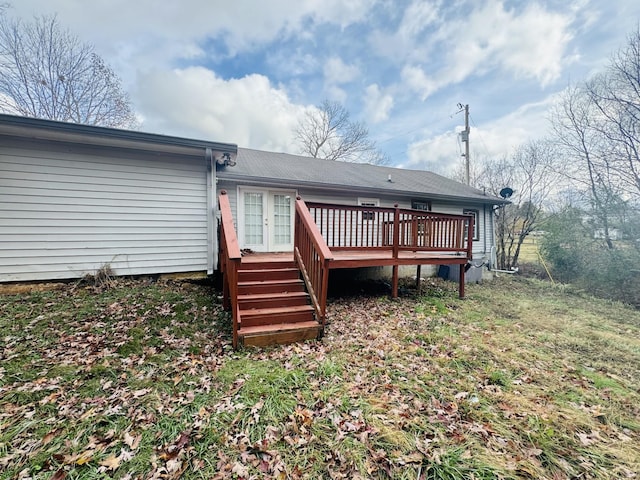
pixel 312 256
pixel 230 258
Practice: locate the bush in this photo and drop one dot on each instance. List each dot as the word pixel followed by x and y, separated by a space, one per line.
pixel 575 257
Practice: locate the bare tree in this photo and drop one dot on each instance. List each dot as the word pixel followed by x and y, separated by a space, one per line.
pixel 589 160
pixel 46 72
pixel 616 95
pixel 327 132
pixel 529 173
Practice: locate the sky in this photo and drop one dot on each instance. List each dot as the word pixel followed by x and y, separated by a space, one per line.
pixel 246 71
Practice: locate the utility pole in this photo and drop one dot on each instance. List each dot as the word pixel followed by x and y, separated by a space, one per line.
pixel 465 138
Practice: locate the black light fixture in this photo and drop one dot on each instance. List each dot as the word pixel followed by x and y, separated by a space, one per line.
pixel 225 159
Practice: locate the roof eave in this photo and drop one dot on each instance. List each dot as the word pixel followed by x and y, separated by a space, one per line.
pixel 93 135
pixel 278 182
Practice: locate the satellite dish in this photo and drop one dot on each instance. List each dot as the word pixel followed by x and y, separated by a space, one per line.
pixel 506 192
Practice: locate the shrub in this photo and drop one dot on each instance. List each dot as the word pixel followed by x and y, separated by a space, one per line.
pixel 575 257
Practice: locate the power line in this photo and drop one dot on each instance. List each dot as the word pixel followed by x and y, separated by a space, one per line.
pixel 399 135
pixel 480 137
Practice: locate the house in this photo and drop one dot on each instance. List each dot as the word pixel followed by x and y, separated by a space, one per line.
pixel 74 198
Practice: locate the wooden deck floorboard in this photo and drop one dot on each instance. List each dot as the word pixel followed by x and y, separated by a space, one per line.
pixel 364 258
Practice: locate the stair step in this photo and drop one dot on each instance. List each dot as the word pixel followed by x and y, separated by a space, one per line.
pixel 267 274
pixel 263 335
pixel 278 315
pixel 267 265
pixel 269 300
pixel 270 286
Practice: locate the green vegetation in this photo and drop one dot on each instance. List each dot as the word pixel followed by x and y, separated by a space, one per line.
pixel 575 256
pixel 137 379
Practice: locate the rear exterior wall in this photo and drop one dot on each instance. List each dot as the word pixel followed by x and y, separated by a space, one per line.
pixel 68 210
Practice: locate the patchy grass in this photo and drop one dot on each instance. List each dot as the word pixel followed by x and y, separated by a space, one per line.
pixel 138 380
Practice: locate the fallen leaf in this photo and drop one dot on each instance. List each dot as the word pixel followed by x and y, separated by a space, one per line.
pixel 111 462
pixel 182 441
pixel 173 465
pixel 50 436
pixel 59 475
pixel 415 457
pixel 125 455
pixel 84 457
pixel 141 393
pixel 240 469
pixel 132 441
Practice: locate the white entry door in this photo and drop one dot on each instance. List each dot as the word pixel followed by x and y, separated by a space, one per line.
pixel 266 219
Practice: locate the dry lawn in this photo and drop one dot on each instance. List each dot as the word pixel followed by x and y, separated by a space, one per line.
pixel 138 380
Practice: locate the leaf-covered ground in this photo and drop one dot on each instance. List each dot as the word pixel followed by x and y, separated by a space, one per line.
pixel 520 380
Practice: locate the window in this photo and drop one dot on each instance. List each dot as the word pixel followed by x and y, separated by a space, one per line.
pixel 476 229
pixel 421 205
pixel 368 202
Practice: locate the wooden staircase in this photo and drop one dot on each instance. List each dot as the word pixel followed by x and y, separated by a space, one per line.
pixel 273 305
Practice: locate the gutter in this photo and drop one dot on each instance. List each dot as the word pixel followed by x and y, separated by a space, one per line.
pixel 352 188
pixel 51 130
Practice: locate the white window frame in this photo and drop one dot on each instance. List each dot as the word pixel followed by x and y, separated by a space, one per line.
pixel 368 202
pixel 476 220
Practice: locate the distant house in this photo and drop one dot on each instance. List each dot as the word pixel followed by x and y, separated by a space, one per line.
pixel 614 234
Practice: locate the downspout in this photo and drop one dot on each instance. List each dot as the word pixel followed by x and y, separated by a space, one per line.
pixel 484 224
pixel 493 260
pixel 212 238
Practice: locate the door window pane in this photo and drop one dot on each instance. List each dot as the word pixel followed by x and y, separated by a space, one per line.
pixel 282 219
pixel 253 218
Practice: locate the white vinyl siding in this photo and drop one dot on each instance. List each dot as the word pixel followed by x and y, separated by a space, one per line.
pixel 67 211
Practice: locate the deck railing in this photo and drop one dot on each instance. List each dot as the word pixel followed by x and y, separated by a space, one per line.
pixel 351 226
pixel 357 227
pixel 230 258
pixel 312 256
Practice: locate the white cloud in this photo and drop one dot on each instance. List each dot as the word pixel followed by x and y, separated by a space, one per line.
pixel 336 72
pixel 167 30
pixel 443 153
pixel 530 43
pixel 419 16
pixel 417 80
pixel 194 102
pixel 377 105
pixel 336 94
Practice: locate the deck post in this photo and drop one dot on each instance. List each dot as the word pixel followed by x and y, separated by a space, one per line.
pixel 396 250
pixel 396 231
pixel 461 281
pixel 418 274
pixel 394 282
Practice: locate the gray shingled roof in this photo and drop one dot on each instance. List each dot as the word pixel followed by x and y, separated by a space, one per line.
pixel 283 169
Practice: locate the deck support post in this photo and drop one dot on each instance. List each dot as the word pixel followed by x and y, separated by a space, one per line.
pixel 394 282
pixel 396 250
pixel 226 300
pixel 418 279
pixel 461 281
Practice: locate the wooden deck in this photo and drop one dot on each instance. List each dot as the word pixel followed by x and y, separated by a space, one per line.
pixel 281 297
